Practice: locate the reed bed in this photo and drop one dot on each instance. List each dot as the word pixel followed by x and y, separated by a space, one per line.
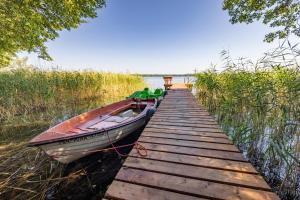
pixel 31 100
pixel 258 106
pixel 25 91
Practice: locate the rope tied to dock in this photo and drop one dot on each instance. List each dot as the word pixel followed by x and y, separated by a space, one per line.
pixel 136 145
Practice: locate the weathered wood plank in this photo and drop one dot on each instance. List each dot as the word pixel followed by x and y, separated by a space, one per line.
pixel 182 110
pixel 190 109
pixel 185 105
pixel 214 130
pixel 192 187
pixel 127 191
pixel 181 105
pixel 183 115
pixel 199 125
pixel 187 121
pixel 233 178
pixel 191 113
pixel 187 137
pixel 215 146
pixel 199 161
pixel 184 132
pixel 191 119
pixel 195 151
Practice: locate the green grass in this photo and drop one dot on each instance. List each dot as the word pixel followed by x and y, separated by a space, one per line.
pixel 260 111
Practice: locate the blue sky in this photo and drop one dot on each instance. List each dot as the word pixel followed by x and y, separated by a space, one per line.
pixel 155 36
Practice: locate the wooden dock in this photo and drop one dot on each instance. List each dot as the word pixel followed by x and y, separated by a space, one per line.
pixel 189 157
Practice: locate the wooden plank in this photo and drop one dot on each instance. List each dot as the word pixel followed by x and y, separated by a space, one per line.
pixel 185 143
pixel 184 115
pixel 214 130
pixel 177 97
pixel 200 121
pixel 213 163
pixel 191 113
pixel 204 115
pixel 236 156
pixel 177 104
pixel 185 101
pixel 188 104
pixel 170 108
pixel 193 187
pixel 128 191
pixel 199 125
pixel 182 99
pixel 186 118
pixel 180 96
pixel 187 137
pixel 162 108
pixel 184 132
pixel 233 178
pixel 191 119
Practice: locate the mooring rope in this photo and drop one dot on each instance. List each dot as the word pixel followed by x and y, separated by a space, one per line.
pixel 139 148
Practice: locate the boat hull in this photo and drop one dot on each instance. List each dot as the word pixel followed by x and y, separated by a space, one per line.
pixel 72 149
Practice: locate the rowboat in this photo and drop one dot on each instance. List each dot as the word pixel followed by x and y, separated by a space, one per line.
pixel 93 130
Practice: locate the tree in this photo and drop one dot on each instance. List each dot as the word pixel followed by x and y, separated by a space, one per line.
pixel 282 15
pixel 25 25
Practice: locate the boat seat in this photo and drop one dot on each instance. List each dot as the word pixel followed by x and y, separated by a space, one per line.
pixel 127 113
pixel 92 122
pixel 117 119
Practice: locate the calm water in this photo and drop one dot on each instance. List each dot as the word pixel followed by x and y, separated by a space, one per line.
pixel 158 81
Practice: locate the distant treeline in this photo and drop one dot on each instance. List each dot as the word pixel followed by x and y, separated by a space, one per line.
pixel 160 75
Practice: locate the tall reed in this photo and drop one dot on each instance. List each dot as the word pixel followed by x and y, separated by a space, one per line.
pixel 258 106
pixel 31 100
pixel 27 93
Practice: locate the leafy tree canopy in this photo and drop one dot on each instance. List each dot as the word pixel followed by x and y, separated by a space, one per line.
pixel 283 15
pixel 25 25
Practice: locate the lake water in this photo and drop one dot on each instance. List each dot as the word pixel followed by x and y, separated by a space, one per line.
pixel 158 81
